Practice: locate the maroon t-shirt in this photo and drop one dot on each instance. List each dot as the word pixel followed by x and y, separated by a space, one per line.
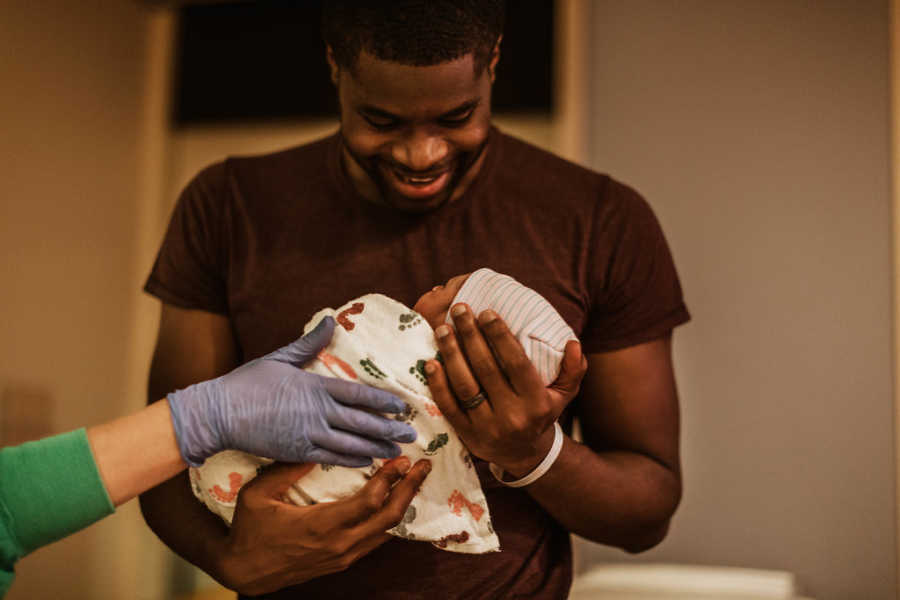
pixel 270 240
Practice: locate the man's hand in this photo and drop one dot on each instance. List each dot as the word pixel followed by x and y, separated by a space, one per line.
pixel 513 427
pixel 273 544
pixel 269 407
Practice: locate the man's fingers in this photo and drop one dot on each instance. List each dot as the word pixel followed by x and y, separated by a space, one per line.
pixel 456 368
pixel 394 507
pixel 574 366
pixel 479 355
pixel 371 497
pixel 518 368
pixel 275 480
pixel 356 394
pixel 444 398
pixel 343 442
pixel 372 426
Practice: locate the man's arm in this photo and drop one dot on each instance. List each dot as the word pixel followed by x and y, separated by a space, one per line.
pixel 622 486
pixel 192 346
pixel 619 488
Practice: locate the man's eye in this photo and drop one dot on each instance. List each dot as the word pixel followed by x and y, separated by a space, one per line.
pixel 380 124
pixel 457 121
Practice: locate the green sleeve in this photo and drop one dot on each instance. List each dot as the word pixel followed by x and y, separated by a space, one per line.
pixel 48 489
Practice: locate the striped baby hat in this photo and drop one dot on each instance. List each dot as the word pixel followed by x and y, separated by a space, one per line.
pixel 540 329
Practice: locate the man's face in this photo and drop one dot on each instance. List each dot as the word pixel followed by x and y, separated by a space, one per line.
pixel 413 136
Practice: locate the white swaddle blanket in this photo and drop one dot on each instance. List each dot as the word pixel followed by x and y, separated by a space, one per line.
pixel 382 343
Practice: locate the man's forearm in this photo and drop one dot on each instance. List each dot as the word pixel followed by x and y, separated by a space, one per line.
pixel 618 498
pixel 184 524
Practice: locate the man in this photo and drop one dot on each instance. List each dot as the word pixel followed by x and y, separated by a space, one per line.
pixel 415 188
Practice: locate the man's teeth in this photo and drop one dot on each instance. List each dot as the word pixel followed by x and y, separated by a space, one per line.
pixel 416 180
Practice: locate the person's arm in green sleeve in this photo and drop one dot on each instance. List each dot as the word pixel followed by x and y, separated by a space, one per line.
pixel 54 487
pixel 48 490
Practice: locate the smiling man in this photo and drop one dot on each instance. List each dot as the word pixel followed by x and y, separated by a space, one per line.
pixel 413 137
pixel 416 187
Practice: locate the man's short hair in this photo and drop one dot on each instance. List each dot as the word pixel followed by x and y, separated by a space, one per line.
pixel 412 32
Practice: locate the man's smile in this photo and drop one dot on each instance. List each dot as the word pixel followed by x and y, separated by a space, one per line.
pixel 417 184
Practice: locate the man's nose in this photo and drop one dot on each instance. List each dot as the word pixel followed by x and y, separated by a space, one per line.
pixel 420 150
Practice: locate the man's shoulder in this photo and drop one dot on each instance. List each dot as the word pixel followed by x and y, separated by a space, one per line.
pixel 311 156
pixel 281 169
pixel 538 172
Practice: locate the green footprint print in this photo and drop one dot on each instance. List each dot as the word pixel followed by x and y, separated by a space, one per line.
pixel 409 517
pixel 409 413
pixel 418 370
pixel 372 369
pixel 437 443
pixel 409 320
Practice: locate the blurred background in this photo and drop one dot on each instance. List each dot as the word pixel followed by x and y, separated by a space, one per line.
pixel 759 131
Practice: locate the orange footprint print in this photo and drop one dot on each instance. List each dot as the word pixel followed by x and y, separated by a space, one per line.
pixel 457 501
pixel 333 362
pixel 342 318
pixel 234 479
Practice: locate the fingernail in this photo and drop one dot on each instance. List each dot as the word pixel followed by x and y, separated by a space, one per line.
pixel 487 316
pixel 458 310
pixel 442 332
pixel 430 369
pixel 403 465
pixel 427 466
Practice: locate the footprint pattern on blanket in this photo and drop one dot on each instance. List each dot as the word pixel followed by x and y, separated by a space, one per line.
pixel 437 443
pixel 457 502
pixel 234 482
pixel 333 362
pixel 372 369
pixel 343 318
pixel 409 320
pixel 408 517
pixel 409 413
pixel 418 370
pixel 460 538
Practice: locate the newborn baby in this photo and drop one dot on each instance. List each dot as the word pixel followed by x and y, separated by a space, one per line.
pixel 382 343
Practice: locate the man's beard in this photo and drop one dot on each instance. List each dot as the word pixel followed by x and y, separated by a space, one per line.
pixel 462 163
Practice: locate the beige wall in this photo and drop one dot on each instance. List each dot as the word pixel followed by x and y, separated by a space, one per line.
pixel 759 132
pixel 72 77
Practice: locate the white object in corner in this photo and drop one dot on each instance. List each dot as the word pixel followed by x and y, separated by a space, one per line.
pixel 681 582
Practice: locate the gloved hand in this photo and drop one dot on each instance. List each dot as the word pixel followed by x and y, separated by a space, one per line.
pixel 269 407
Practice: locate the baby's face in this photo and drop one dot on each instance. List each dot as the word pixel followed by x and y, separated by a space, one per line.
pixel 434 305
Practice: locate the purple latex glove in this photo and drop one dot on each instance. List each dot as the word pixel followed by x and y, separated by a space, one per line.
pixel 269 407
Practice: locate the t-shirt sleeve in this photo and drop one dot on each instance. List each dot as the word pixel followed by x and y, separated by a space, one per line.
pixel 637 295
pixel 191 268
pixel 49 489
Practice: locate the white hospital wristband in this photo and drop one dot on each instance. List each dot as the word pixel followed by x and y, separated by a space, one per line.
pixel 539 470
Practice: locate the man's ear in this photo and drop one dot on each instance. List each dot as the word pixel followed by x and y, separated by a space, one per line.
pixel 332 65
pixel 495 58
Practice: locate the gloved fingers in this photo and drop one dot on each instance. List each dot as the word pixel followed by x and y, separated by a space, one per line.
pixel 370 425
pixel 343 442
pixel 327 457
pixel 357 394
pixel 302 350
